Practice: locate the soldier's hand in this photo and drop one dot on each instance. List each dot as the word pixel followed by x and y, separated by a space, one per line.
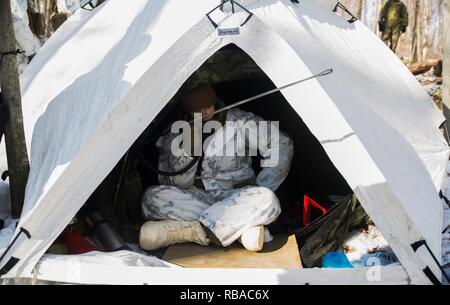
pixel 193 144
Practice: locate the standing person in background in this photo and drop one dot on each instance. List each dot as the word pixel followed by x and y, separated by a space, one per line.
pixel 393 22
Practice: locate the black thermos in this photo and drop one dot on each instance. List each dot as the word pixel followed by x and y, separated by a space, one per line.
pixel 104 235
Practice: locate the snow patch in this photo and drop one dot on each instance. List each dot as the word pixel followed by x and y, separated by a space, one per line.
pixel 118 258
pixel 362 242
pixel 446 223
pixel 25 39
pixel 3 161
pixel 5 203
pixel 7 233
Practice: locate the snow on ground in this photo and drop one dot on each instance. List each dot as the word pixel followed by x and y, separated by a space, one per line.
pixel 7 233
pixel 3 161
pixel 361 242
pixel 9 227
pixel 446 224
pixel 25 39
pixel 70 5
pixel 446 238
pixel 5 208
pixel 367 247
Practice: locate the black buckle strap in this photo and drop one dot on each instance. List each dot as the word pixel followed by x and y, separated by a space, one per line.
pixel 88 3
pixel 431 276
pixel 13 260
pixel 342 7
pixel 427 270
pixel 15 52
pixel 9 265
pixel 22 230
pixel 233 3
pixel 18 51
pixel 5 174
pixel 441 195
pixel 25 231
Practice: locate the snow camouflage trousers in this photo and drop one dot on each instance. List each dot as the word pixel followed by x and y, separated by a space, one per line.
pixel 227 213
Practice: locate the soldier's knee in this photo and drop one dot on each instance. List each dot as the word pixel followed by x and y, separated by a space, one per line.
pixel 264 191
pixel 151 191
pixel 152 199
pixel 271 202
pixel 267 196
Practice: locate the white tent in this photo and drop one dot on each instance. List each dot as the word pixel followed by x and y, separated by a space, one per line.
pixel 105 74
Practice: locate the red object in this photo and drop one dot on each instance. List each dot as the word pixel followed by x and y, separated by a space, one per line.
pixel 76 243
pixel 307 204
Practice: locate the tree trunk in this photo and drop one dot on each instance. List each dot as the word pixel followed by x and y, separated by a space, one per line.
pixel 446 61
pixel 359 9
pixel 36 17
pixel 417 35
pixel 422 67
pixel 16 151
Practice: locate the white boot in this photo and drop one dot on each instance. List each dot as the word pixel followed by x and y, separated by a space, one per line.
pixel 267 236
pixel 253 238
pixel 159 234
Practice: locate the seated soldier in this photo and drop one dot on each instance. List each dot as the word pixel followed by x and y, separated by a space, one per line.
pixel 218 200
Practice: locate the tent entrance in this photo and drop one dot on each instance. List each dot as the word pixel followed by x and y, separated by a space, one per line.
pixel 235 76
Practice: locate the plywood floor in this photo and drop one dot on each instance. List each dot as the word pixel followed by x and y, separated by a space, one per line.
pixel 281 252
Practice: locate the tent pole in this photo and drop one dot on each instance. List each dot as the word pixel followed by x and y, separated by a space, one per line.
pixel 251 99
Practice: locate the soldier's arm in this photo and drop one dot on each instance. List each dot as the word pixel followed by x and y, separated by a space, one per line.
pixel 277 152
pixel 169 162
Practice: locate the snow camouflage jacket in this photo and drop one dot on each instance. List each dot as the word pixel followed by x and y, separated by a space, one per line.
pixel 225 172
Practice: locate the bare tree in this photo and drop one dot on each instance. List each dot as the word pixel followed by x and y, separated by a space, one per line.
pixel 45 17
pixel 36 18
pixel 423 38
pixel 16 151
pixel 446 61
pixel 416 43
pixel 359 9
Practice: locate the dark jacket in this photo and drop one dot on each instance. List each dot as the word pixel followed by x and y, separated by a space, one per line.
pixel 394 14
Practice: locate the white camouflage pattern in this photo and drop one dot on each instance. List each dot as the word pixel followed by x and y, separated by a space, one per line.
pixel 233 200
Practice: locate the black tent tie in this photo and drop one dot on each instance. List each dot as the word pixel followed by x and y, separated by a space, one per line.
pixel 415 246
pixel 342 7
pixel 13 260
pixel 90 4
pixel 18 51
pixel 15 52
pixel 233 3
